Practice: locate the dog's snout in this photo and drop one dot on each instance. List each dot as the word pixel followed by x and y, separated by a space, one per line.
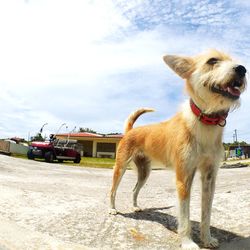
pixel 240 70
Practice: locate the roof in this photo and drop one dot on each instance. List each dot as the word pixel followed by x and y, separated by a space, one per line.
pixel 91 135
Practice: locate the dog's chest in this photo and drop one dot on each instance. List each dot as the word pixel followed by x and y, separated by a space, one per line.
pixel 207 141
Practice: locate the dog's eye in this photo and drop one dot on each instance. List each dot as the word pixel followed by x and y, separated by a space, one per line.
pixel 212 61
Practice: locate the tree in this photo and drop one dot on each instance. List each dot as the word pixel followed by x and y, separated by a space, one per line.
pixel 88 130
pixel 234 144
pixel 38 137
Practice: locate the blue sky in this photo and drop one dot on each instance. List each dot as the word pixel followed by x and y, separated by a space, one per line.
pixel 90 63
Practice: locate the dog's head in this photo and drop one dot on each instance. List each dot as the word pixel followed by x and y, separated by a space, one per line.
pixel 213 79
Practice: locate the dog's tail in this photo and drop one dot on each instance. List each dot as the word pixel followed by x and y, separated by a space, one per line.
pixel 133 117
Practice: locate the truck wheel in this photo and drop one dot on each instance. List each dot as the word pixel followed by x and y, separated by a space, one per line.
pixel 49 156
pixel 77 159
pixel 30 154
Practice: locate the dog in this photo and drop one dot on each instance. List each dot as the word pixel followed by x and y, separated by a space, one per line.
pixel 191 140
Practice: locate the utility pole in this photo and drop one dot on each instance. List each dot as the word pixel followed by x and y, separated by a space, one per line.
pixel 235 133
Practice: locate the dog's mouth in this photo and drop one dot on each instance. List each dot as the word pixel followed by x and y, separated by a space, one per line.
pixel 231 90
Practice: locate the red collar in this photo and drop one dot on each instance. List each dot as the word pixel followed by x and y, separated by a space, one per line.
pixel 211 119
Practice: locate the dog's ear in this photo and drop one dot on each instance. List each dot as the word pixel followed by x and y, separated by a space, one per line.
pixel 183 66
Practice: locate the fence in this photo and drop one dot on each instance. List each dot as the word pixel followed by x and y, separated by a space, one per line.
pixel 9 147
pixel 5 147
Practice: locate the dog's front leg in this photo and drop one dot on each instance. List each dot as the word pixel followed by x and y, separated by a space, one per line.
pixel 208 177
pixel 184 181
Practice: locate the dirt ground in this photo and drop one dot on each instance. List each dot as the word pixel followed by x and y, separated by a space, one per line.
pixel 54 206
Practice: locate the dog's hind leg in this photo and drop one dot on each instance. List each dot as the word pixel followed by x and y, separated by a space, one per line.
pixel 143 165
pixel 119 170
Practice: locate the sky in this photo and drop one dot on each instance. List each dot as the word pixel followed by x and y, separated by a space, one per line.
pixel 90 63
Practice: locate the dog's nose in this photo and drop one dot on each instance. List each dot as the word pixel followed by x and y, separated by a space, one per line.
pixel 240 70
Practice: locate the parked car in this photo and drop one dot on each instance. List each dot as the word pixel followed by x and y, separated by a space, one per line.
pixel 55 149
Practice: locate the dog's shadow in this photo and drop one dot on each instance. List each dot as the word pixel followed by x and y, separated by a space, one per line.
pixel 170 222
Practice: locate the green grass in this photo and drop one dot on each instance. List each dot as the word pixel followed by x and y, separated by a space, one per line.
pixel 96 162
pixel 85 162
pixel 19 156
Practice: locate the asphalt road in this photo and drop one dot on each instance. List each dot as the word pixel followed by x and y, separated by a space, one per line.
pixel 54 206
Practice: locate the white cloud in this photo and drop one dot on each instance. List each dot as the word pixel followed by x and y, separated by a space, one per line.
pixel 89 63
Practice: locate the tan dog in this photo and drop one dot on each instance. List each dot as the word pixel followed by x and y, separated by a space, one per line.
pixel 191 140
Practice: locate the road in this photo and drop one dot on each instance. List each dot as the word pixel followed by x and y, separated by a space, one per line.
pixel 55 206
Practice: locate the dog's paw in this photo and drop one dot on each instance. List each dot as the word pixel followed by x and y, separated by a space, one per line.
pixel 211 242
pixel 113 211
pixel 137 209
pixel 188 244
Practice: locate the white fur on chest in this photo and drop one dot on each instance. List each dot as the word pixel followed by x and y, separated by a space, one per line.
pixel 206 142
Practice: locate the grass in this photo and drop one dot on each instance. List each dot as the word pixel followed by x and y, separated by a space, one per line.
pixel 85 162
pixel 96 162
pixel 19 156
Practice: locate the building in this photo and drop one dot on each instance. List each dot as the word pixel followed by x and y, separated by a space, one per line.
pixel 95 145
pixel 244 151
